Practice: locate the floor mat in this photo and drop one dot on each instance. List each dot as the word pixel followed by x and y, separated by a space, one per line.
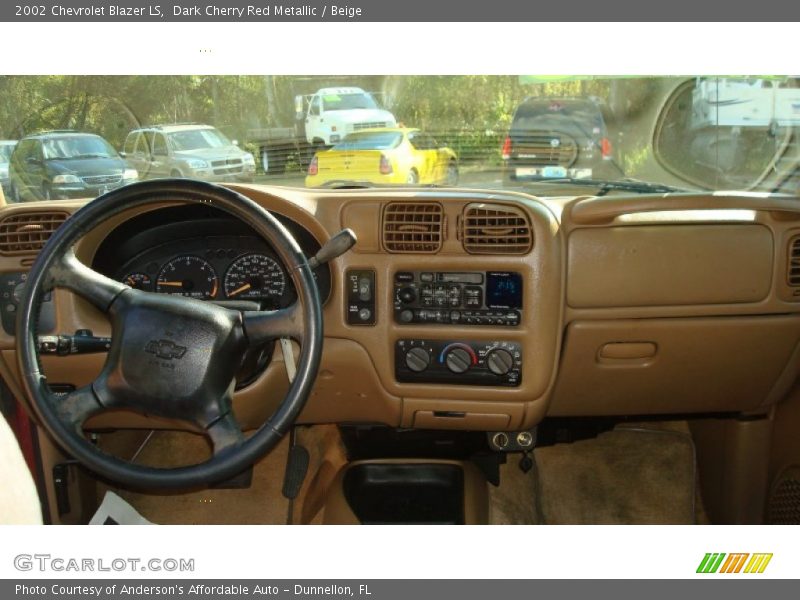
pixel 630 475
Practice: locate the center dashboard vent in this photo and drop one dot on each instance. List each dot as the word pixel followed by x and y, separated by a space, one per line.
pixel 28 232
pixel 793 270
pixel 495 229
pixel 413 227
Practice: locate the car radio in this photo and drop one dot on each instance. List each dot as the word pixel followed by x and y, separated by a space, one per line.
pixel 458 298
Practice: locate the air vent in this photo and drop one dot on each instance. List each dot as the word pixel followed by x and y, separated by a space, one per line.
pixel 495 229
pixel 413 227
pixel 793 272
pixel 27 233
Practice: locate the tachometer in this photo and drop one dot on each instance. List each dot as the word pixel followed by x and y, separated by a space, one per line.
pixel 189 276
pixel 254 276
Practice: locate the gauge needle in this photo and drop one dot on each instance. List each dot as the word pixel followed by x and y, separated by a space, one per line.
pixel 239 290
pixel 171 283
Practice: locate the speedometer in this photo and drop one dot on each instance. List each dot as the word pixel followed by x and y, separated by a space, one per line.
pixel 189 276
pixel 255 276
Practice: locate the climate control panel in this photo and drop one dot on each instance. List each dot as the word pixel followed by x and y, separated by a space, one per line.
pixel 458 362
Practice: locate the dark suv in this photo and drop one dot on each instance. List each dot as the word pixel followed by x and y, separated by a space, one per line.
pixel 65 164
pixel 558 138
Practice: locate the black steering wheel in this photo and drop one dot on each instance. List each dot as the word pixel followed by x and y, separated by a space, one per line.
pixel 170 356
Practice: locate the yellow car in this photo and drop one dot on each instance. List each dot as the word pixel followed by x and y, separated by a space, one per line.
pixel 384 156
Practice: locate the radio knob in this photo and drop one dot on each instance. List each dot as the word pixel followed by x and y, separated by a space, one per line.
pixel 406 316
pixel 407 295
pixel 418 359
pixel 458 360
pixel 500 361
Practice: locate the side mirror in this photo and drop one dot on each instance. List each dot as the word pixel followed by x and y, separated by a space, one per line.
pixel 725 133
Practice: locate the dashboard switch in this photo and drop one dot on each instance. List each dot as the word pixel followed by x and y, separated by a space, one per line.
pixel 360 296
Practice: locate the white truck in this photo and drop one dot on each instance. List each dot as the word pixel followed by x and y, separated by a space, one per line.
pixel 744 103
pixel 322 119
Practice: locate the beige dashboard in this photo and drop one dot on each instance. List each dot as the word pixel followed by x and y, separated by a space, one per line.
pixel 631 305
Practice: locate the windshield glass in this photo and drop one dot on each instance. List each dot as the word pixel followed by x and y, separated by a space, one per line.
pixel 198 139
pixel 76 147
pixel 347 101
pixel 542 135
pixel 373 140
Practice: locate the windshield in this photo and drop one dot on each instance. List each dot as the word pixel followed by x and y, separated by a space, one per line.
pixel 76 147
pixel 373 140
pixel 540 135
pixel 5 152
pixel 197 139
pixel 347 101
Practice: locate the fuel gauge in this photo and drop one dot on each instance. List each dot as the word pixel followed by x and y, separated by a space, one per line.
pixel 139 281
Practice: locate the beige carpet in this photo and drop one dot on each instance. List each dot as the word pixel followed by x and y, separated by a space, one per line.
pixel 261 503
pixel 631 475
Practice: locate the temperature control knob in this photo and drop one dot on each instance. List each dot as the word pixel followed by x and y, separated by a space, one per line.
pixel 418 359
pixel 458 360
pixel 499 361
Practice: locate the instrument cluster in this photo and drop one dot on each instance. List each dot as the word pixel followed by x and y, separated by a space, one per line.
pixel 212 268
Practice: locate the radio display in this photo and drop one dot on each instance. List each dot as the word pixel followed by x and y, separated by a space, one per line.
pixel 503 289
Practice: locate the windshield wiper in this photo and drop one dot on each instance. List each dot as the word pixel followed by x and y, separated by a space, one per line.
pixel 604 186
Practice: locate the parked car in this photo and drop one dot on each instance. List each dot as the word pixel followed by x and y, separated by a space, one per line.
pixel 558 138
pixel 187 150
pixel 385 156
pixel 65 164
pixel 6 148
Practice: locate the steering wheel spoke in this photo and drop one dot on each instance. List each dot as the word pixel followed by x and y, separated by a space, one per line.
pixel 76 407
pixel 225 433
pixel 266 325
pixel 70 273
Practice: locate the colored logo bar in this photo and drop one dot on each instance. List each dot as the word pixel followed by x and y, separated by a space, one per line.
pixel 737 562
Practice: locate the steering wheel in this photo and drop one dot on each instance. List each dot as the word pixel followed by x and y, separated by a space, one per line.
pixel 170 356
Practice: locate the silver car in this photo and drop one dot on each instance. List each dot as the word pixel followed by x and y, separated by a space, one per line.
pixel 187 150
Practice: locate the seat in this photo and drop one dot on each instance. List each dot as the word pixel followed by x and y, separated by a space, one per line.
pixel 19 502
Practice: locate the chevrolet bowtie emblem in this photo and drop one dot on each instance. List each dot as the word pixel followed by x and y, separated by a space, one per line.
pixel 165 349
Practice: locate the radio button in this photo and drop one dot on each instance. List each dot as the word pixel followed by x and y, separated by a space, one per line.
pixel 407 295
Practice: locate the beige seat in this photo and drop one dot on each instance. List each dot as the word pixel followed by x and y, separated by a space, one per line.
pixel 19 502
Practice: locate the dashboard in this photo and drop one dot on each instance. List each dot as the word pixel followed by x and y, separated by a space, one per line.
pixel 476 310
